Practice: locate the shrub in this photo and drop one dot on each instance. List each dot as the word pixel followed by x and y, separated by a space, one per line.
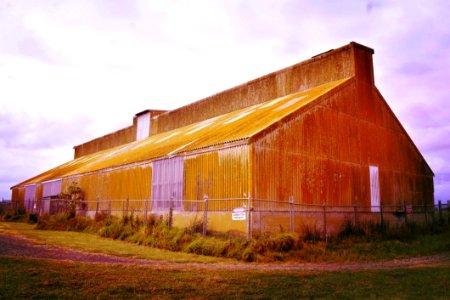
pixel 66 221
pixel 33 218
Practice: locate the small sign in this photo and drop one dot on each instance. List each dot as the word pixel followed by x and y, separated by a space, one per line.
pixel 238 214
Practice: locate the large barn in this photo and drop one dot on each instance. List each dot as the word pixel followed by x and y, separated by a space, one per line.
pixel 270 154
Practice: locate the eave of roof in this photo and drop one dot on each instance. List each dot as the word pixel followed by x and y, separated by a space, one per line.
pixel 237 126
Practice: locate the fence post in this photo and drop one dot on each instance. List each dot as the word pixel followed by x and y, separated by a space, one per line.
pixel 109 206
pixel 355 214
pixel 440 211
pixel 291 215
pixel 127 203
pixel 205 214
pixel 145 210
pixel 249 216
pixel 381 219
pixel 325 222
pixel 170 212
pixel 96 207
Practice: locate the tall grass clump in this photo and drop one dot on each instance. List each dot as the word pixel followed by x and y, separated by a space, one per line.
pixel 66 222
pixel 359 241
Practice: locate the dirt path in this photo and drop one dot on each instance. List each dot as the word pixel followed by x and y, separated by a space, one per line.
pixel 15 246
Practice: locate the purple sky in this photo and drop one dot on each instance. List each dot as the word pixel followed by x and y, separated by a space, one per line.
pixel 74 70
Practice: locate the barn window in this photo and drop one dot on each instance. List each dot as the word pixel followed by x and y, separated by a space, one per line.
pixel 374 189
pixel 167 183
pixel 143 126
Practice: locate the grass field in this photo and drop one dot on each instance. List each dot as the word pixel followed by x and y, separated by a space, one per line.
pixel 345 251
pixel 26 278
pixel 94 243
pixel 33 279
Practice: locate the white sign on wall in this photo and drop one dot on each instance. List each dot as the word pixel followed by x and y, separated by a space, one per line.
pixel 238 214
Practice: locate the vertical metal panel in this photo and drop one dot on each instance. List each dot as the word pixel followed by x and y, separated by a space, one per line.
pixel 374 189
pixel 51 188
pixel 167 183
pixel 222 174
pixel 17 197
pixel 30 197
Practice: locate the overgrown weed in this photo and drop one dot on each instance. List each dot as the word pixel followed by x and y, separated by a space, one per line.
pixel 354 242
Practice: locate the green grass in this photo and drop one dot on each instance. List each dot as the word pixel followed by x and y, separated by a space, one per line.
pixel 94 243
pixel 34 279
pixel 348 250
pixel 354 250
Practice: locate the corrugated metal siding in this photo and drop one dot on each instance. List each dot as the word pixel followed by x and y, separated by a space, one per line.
pixel 323 155
pixel 30 197
pixel 133 183
pixel 220 174
pixel 18 196
pixel 167 183
pixel 51 188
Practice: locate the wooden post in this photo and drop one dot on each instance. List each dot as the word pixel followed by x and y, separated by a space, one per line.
pixel 441 219
pixel 355 215
pixel 205 214
pixel 109 206
pixel 291 213
pixel 96 207
pixel 127 203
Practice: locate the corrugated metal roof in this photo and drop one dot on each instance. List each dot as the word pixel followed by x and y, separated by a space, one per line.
pixel 231 127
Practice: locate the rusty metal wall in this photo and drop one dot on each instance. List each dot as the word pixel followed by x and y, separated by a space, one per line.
pixel 18 196
pixel 323 155
pixel 132 183
pixel 120 137
pixel 327 67
pixel 222 174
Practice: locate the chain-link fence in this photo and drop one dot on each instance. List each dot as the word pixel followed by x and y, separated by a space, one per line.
pixel 257 216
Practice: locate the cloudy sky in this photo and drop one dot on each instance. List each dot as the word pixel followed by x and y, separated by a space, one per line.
pixel 74 70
